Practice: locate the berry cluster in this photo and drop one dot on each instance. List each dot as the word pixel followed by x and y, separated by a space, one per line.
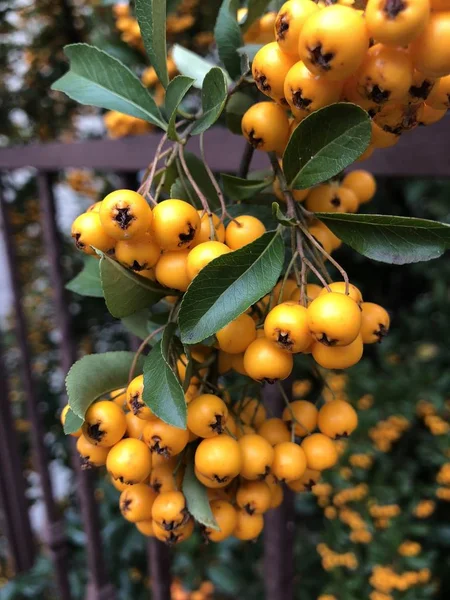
pixel 392 59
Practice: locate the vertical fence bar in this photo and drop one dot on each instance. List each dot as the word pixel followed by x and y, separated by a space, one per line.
pixel 12 485
pixel 98 587
pixel 278 524
pixel 159 569
pixel 56 538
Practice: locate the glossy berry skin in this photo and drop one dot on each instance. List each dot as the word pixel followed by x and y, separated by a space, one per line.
pixel 146 528
pixel 337 418
pixel 138 255
pixel 289 23
pixel 164 439
pixel 136 503
pixel 333 42
pixel 287 326
pixel 431 50
pixel 202 255
pixel 257 456
pixel 312 291
pixel 320 452
pixel 225 516
pixel 129 461
pixel 135 426
pixel 396 24
pixel 171 270
pixel 266 127
pixel 339 287
pixel 87 231
pixel 169 510
pixel 135 401
pixel 362 183
pixel 385 75
pixel 248 527
pixel 91 455
pixel 334 319
pixel 426 115
pixel 176 536
pixel 421 88
pixel 302 416
pixel 236 337
pixel 254 497
pixel 207 415
pixel 242 231
pixel 104 424
pixel 338 357
pixel 205 234
pixel 397 118
pixel 306 93
pixel 439 97
pixel 218 459
pixel 381 138
pixel 269 69
pixel 175 225
pixel 274 431
pixel 375 322
pixel 265 361
pixel 331 198
pixel 125 215
pixel 289 461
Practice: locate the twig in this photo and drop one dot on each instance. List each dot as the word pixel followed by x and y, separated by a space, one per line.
pixel 316 273
pixel 146 185
pixel 286 275
pixel 246 161
pixel 140 350
pixel 192 181
pixel 288 404
pixel 303 283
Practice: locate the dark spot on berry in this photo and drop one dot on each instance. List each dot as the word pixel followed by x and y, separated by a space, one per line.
pixel 284 340
pixel 220 479
pixel 320 59
pixel 186 238
pixel 86 463
pixel 372 112
pixel 78 244
pixel 136 404
pixel 282 26
pixel 125 505
pixel 326 341
pixel 298 101
pixel 94 432
pixel 261 82
pixel 262 476
pixel 123 217
pixel 156 486
pixel 248 509
pixel 309 484
pixel 156 447
pixel 381 332
pixel 173 538
pixel 218 426
pixel 335 201
pixel 283 101
pixel 378 95
pixel 256 142
pixel 421 91
pixel 393 8
pixel 137 266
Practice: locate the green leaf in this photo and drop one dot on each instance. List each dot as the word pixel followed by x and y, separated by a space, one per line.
pixel 151 16
pixel 394 240
pixel 96 375
pixel 229 285
pixel 125 292
pixel 214 97
pixel 137 324
pixel 249 50
pixel 98 79
pixel 325 143
pixel 162 390
pixel 191 65
pixel 197 498
pixel 236 107
pixel 185 190
pixel 255 9
pixel 281 217
pixel 237 188
pixel 87 282
pixel 176 91
pixel 228 37
pixel 72 422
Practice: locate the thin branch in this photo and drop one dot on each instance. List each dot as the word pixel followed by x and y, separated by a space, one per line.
pixel 147 183
pixel 140 350
pixel 246 161
pixel 192 181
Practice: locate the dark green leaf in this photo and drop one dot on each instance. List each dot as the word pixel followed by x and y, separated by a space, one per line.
pixel 255 9
pixel 72 422
pixel 191 64
pixel 237 188
pixel 325 143
pixel 228 37
pixel 263 212
pixel 87 282
pixel 281 217
pixel 137 324
pixel 100 80
pixel 95 375
pixel 229 285
pixel 236 107
pixel 249 50
pixel 197 498
pixel 125 292
pixel 394 240
pixel 214 97
pixel 201 177
pixel 151 16
pixel 176 91
pixel 162 390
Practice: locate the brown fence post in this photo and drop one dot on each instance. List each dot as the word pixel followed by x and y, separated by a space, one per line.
pixel 13 502
pixel 98 587
pixel 56 538
pixel 278 525
pixel 159 562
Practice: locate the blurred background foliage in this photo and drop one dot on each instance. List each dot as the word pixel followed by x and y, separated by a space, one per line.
pixel 377 526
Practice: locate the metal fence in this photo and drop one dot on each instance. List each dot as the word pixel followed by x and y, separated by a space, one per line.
pixel 424 153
